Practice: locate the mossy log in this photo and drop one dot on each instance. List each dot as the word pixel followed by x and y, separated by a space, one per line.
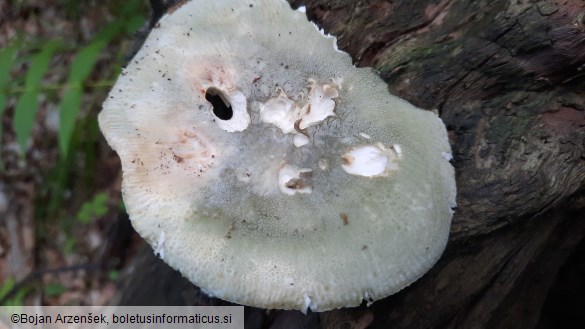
pixel 508 79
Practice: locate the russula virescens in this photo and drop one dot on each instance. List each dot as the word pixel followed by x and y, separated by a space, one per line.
pixel 267 169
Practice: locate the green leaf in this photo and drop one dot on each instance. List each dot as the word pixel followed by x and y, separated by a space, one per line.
pixel 54 289
pixel 17 298
pixel 6 287
pixel 70 105
pixel 7 56
pixel 96 207
pixel 132 7
pixel 69 245
pixel 113 275
pixel 81 68
pixel 28 103
pixel 134 23
pixel 122 206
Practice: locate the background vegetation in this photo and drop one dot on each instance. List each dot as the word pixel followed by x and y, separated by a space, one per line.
pixel 59 182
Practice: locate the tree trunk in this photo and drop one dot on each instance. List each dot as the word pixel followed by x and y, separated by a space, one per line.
pixel 508 79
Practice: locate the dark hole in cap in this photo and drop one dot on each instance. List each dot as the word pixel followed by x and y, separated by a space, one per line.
pixel 221 107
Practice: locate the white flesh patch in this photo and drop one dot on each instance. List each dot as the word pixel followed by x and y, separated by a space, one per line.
pixel 284 113
pixel 321 105
pixel 280 111
pixel 300 140
pixel 308 304
pixel 313 306
pixel 368 299
pixel 398 149
pixel 292 117
pixel 292 180
pixel 369 160
pixel 240 119
pixel 160 251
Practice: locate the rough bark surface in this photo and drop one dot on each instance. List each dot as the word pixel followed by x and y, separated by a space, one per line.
pixel 508 79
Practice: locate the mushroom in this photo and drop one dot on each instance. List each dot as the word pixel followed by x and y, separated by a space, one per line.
pixel 269 170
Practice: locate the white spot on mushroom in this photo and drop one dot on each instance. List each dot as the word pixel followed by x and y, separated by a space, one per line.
pixel 398 149
pixel 292 180
pixel 368 298
pixel 159 251
pixel 321 104
pixel 447 156
pixel 313 306
pixel 369 160
pixel 308 304
pixel 280 111
pixel 240 118
pixel 300 140
pixel 290 117
pixel 366 136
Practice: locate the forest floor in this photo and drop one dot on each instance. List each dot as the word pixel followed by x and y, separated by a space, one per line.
pixel 59 180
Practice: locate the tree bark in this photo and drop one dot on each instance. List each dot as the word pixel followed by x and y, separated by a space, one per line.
pixel 508 79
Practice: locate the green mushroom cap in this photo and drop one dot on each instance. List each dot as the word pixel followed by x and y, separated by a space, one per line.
pixel 267 169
